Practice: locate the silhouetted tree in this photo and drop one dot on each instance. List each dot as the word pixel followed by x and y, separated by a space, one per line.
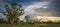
pixel 27 18
pixel 29 21
pixel 13 11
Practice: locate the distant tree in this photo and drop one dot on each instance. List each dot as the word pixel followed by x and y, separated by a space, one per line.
pixel 13 11
pixel 27 18
pixel 29 21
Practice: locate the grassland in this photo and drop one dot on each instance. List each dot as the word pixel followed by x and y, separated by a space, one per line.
pixel 30 25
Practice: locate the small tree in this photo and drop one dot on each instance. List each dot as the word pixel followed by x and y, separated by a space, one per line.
pixel 27 18
pixel 13 11
pixel 28 21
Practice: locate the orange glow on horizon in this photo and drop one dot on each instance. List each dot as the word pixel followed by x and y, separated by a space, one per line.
pixel 46 19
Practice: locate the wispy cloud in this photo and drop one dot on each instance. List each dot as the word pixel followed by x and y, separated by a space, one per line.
pixel 46 8
pixel 32 9
pixel 3 17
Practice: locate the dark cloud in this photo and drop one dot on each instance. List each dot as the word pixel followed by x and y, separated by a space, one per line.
pixel 55 7
pixel 52 10
pixel 2 3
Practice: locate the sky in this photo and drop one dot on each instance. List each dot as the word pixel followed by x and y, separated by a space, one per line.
pixel 36 7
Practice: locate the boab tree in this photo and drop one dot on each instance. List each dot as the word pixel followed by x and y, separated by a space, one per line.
pixel 13 11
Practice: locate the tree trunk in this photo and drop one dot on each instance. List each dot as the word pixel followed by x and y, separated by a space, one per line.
pixel 14 21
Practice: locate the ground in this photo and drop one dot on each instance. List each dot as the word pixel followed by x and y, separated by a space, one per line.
pixel 30 25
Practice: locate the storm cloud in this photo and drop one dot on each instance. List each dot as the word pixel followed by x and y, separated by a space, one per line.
pixel 40 7
pixel 54 6
pixel 45 8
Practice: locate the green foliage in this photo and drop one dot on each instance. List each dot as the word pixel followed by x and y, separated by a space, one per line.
pixel 13 11
pixel 29 21
pixel 27 17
